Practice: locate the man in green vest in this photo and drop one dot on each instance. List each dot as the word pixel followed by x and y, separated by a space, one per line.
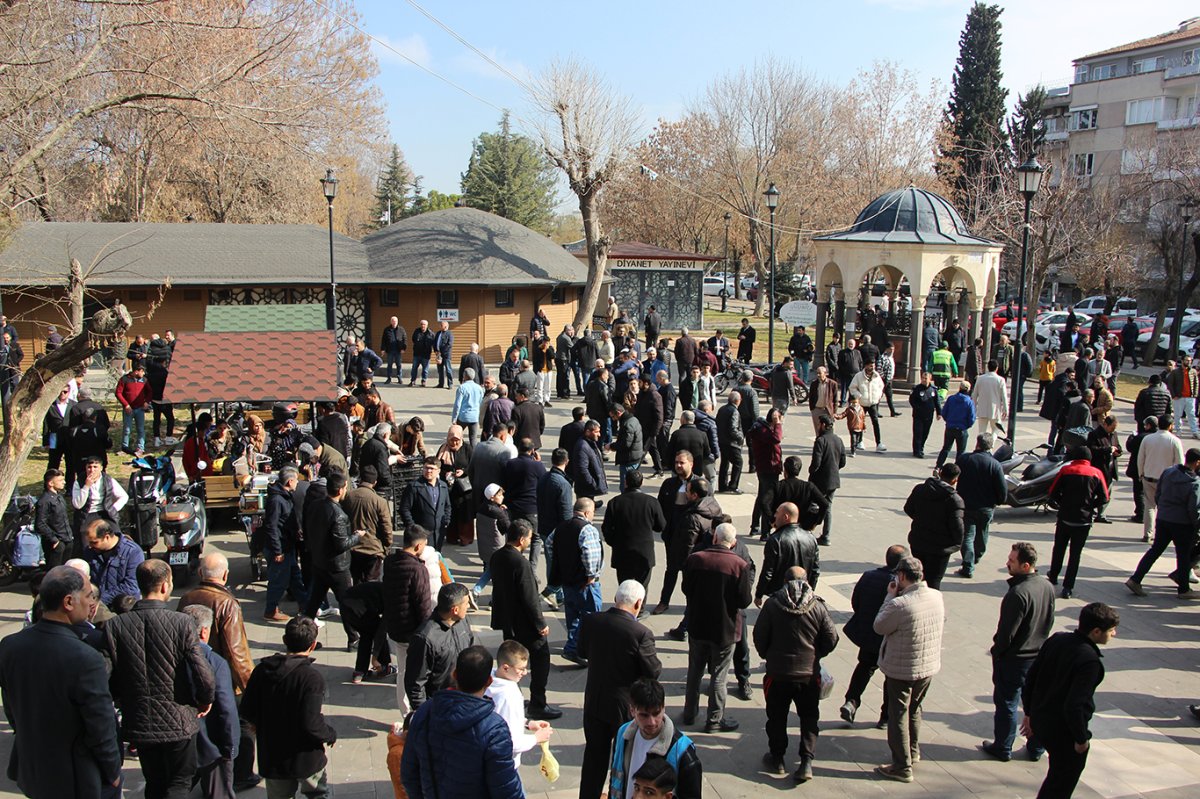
pixel 943 366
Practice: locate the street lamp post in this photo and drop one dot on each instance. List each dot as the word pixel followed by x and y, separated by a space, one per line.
pixel 1029 177
pixel 329 187
pixel 1181 304
pixel 772 195
pixel 725 256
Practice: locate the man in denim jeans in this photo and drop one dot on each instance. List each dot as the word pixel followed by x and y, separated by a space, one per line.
pixel 133 392
pixel 982 486
pixel 578 559
pixel 1026 619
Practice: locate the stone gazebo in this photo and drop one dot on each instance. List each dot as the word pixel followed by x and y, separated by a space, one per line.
pixel 913 236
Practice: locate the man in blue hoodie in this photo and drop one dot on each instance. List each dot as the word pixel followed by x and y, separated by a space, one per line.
pixel 219 735
pixel 958 412
pixel 457 744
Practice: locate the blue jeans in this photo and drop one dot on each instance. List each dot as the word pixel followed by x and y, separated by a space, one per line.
pixel 484 579
pixel 423 363
pixel 580 602
pixel 803 366
pixel 285 576
pixel 976 523
pixel 136 416
pixel 624 469
pixel 605 431
pixel 395 359
pixel 1008 678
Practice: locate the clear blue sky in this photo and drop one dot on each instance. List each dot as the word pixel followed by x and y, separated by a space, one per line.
pixel 662 53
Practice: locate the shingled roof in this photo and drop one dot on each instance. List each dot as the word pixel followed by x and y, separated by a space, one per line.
pixel 1189 30
pixel 468 247
pixel 196 254
pixel 297 366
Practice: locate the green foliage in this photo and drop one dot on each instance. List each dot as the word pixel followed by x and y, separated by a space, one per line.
pixel 509 175
pixel 975 113
pixel 1026 128
pixel 392 188
pixel 433 201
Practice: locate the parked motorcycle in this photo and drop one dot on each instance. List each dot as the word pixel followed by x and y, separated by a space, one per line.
pixel 761 380
pixel 20 548
pixel 1032 487
pixel 159 506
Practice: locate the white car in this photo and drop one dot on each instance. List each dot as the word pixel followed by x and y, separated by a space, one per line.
pixel 749 282
pixel 1188 334
pixel 714 285
pixel 1095 305
pixel 1189 322
pixel 1048 324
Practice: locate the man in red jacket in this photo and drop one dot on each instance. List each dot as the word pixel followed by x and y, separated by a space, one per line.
pixel 1079 492
pixel 766 454
pixel 133 392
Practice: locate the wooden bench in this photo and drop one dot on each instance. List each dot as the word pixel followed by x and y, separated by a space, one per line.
pixel 221 491
pixel 265 414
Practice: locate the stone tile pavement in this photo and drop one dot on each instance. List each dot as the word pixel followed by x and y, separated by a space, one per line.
pixel 1146 744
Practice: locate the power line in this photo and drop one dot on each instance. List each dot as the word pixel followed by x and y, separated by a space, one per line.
pixel 520 82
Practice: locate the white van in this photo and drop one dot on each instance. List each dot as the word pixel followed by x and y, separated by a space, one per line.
pixel 1094 306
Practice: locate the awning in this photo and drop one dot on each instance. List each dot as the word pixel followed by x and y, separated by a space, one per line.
pixel 253 367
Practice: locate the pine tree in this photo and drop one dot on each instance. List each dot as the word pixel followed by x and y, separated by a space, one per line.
pixel 509 175
pixel 1026 127
pixel 391 189
pixel 975 115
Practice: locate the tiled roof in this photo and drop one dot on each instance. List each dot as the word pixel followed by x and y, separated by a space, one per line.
pixel 242 318
pixel 468 247
pixel 1171 37
pixel 636 250
pixel 188 254
pixel 253 367
pixel 910 216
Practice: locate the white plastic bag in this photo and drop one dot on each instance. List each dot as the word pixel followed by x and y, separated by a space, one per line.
pixel 826 684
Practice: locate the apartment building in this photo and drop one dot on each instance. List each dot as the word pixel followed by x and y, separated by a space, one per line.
pixel 1124 105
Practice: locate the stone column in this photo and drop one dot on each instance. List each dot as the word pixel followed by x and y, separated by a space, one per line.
pixel 839 312
pixel 822 313
pixel 986 328
pixel 915 342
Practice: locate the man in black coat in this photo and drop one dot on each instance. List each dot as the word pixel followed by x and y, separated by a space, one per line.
pixel 160 679
pixel 982 487
pixel 670 399
pixel 427 502
pixel 787 546
pixel 619 650
pixel 520 479
pixel 529 418
pixel 652 325
pixel 587 463
pixel 927 405
pixel 517 612
pixel 689 438
pixel 825 470
pixel 801 493
pixel 936 532
pixel 564 353
pixel 649 412
pixel 572 431
pixel 630 524
pixel 407 602
pixel 392 345
pixel 597 396
pixel 56 698
pixel 868 597
pixel 474 361
pixel 1055 399
pixel 732 441
pixel 330 539
pixel 1059 696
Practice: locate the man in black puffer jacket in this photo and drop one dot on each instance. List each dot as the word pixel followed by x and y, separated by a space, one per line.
pixel 1056 397
pixel 870 592
pixel 788 546
pixel 160 678
pixel 793 632
pixel 936 511
pixel 327 533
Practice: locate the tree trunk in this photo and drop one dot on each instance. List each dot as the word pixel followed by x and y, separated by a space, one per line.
pixel 30 400
pixel 760 268
pixel 597 250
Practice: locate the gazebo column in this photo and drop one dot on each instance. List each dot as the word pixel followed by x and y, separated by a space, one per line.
pixel 915 342
pixel 822 313
pixel 986 328
pixel 839 313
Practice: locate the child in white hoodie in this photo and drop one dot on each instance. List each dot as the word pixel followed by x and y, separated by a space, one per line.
pixel 512 663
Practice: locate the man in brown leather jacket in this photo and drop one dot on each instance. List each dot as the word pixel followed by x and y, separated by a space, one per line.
pixel 227 639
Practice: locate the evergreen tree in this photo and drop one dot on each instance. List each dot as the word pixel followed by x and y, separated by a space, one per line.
pixel 391 188
pixel 1026 128
pixel 509 175
pixel 977 150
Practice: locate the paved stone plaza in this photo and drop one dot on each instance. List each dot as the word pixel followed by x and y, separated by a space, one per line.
pixel 1146 744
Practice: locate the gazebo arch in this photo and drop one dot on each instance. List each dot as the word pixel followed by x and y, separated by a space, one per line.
pixel 916 235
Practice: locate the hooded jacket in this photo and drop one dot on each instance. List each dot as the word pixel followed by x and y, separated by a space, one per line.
pixel 1178 497
pixel 671 744
pixel 283 702
pixel 694 520
pixel 936 511
pixel 457 745
pixel 1079 491
pixel 794 631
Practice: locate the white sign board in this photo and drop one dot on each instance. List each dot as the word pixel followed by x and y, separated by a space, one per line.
pixel 799 312
pixel 447 315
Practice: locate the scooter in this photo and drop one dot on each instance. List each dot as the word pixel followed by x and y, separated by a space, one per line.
pixel 20 548
pixel 160 506
pixel 761 380
pixel 1032 487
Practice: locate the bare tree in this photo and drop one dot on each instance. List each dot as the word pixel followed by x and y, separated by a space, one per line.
pixel 587 130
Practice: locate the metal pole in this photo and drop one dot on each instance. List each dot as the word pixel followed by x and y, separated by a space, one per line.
pixel 331 297
pixel 1020 337
pixel 771 298
pixel 1181 303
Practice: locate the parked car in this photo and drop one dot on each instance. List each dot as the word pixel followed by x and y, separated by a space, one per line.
pixel 749 282
pixel 1047 324
pixel 1145 324
pixel 786 289
pixel 715 284
pixel 1188 335
pixel 1001 315
pixel 1095 305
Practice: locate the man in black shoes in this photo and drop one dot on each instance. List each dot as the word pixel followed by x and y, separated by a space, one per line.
pixel 869 594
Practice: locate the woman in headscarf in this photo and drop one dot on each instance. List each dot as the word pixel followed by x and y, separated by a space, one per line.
pixel 453 457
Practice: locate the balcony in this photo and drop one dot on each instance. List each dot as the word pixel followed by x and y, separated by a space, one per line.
pixel 1182 70
pixel 1177 124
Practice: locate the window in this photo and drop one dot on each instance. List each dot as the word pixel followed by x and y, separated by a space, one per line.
pixel 504 298
pixel 1191 56
pixel 1081 73
pixel 1083 120
pixel 447 298
pixel 1081 165
pixel 191 295
pixel 1151 109
pixel 1057 124
pixel 1104 71
pixel 389 298
pixel 558 296
pixel 1147 65
pixel 1138 161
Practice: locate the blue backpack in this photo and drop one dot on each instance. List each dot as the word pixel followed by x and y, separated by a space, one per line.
pixel 27 549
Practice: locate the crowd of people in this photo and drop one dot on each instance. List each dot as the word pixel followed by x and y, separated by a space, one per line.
pixel 359 507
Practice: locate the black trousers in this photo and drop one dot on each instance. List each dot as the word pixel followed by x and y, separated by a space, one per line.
pixel 372 638
pixel 216 780
pixel 652 447
pixel 162 409
pixel 1139 501
pixel 669 579
pixel 663 444
pixel 864 670
pixel 935 564
pixel 763 515
pixel 243 764
pixel 365 568
pixel 873 415
pixel 322 583
pixel 169 768
pixel 921 429
pixel 539 665
pixel 598 736
pixel 887 395
pixel 635 567
pixel 562 379
pixel 730 475
pixel 1067 537
pixel 782 694
pixel 1065 766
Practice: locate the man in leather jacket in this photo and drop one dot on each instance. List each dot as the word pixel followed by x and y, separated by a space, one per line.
pixel 787 546
pixel 327 533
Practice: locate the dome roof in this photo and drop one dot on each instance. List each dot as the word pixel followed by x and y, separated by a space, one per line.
pixel 911 215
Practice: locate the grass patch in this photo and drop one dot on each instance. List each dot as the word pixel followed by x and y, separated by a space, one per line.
pixel 33 469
